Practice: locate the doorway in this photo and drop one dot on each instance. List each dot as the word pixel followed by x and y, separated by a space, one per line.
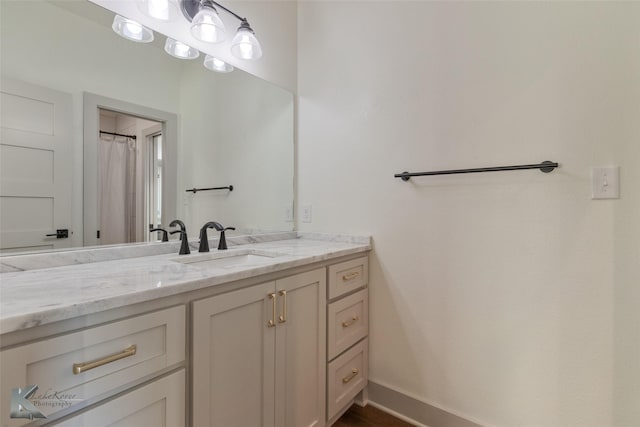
pixel 129 177
pixel 146 141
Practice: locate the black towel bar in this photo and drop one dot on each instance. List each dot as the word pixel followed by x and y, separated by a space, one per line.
pixel 545 167
pixel 195 190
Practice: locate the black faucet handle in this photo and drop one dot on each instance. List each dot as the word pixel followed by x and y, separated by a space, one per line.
pixel 182 232
pixel 222 243
pixel 165 236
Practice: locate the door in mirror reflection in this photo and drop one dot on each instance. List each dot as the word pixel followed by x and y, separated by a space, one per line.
pixel 35 171
pixel 129 177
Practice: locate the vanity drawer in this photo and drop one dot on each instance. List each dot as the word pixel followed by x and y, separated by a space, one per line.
pixel 348 276
pixel 160 403
pixel 348 322
pixel 82 365
pixel 347 376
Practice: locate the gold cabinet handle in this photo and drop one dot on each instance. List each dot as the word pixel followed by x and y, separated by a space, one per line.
pixel 272 322
pixel 79 368
pixel 283 316
pixel 350 276
pixel 350 322
pixel 351 376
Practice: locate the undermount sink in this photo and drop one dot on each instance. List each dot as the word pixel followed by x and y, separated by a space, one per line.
pixel 227 259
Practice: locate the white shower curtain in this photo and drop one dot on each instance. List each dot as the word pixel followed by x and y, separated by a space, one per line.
pixel 116 189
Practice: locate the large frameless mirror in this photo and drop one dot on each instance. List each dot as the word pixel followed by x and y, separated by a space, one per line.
pixel 102 136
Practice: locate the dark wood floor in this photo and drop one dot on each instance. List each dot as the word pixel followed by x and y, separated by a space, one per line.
pixel 368 417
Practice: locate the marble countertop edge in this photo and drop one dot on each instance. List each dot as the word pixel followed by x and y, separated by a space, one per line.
pixel 100 293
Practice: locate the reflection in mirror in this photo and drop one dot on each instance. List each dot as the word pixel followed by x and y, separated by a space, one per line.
pixel 102 208
pixel 129 177
pixel 233 129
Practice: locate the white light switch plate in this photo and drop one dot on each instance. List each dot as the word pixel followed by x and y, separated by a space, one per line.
pixel 605 183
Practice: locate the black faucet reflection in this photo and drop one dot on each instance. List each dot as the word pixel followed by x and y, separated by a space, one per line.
pixel 184 245
pixel 165 234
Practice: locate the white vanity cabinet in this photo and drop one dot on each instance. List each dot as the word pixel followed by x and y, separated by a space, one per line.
pixel 347 332
pixel 259 355
pixel 79 368
pixel 283 347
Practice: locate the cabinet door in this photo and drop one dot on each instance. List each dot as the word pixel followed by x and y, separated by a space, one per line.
pixel 301 350
pixel 233 359
pixel 160 403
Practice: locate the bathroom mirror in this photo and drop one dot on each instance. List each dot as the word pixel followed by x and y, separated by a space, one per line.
pixel 231 129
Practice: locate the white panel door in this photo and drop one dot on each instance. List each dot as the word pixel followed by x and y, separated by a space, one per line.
pixel 35 166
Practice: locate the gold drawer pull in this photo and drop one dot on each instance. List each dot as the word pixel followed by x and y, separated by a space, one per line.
pixel 351 376
pixel 272 322
pixel 283 317
pixel 350 276
pixel 350 322
pixel 79 368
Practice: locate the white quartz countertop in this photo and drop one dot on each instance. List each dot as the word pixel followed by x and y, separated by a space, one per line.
pixel 36 297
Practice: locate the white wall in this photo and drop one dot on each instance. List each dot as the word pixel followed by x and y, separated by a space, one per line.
pixel 626 257
pixel 494 296
pixel 239 132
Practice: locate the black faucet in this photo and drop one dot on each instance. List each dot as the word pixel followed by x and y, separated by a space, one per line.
pixel 165 235
pixel 184 246
pixel 204 241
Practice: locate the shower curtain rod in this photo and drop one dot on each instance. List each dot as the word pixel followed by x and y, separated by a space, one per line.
pixel 118 134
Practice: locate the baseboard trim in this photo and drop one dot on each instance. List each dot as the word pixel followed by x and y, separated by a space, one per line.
pixel 412 410
pixel 397 415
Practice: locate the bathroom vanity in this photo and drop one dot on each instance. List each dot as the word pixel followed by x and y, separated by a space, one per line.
pixel 272 332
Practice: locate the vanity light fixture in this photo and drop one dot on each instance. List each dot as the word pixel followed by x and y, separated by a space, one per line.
pixel 215 64
pixel 207 26
pixel 180 50
pixel 132 30
pixel 245 45
pixel 161 10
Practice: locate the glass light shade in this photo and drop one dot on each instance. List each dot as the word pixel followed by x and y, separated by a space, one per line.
pixel 245 45
pixel 180 50
pixel 162 10
pixel 215 64
pixel 207 26
pixel 131 30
